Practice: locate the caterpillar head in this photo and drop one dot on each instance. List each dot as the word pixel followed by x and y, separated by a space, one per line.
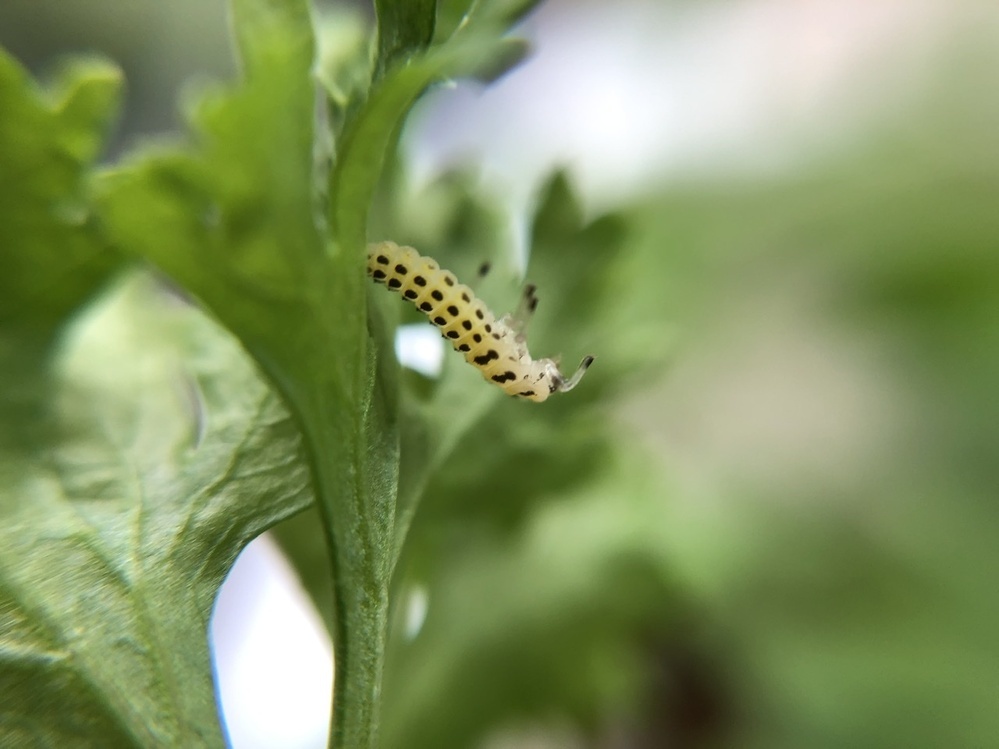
pixel 546 378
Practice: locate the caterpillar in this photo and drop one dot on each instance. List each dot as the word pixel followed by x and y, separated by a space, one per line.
pixel 497 347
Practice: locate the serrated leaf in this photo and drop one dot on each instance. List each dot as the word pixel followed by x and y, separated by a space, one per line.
pixel 236 220
pixel 51 254
pixel 133 468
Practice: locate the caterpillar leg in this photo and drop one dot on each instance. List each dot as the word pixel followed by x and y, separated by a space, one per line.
pixel 568 384
pixel 522 316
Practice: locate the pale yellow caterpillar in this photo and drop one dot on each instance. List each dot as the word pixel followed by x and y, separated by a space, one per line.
pixel 497 347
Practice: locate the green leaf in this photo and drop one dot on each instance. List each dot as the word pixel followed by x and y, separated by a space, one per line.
pixel 452 14
pixel 509 633
pixel 506 12
pixel 134 466
pixel 539 622
pixel 508 453
pixel 477 48
pixel 51 254
pixel 236 221
pixel 405 27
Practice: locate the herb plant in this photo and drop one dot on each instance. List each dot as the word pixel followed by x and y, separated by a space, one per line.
pixel 191 353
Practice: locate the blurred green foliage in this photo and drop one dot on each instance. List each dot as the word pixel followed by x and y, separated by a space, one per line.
pixel 856 596
pixel 619 558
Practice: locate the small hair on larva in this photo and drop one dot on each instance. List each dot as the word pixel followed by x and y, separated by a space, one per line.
pixel 495 346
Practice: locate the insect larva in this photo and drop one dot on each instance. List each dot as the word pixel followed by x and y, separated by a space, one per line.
pixel 497 347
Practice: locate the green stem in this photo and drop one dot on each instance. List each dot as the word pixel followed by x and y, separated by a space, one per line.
pixel 359 636
pixel 357 501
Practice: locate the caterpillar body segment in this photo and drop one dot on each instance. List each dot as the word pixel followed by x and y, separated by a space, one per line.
pixel 496 347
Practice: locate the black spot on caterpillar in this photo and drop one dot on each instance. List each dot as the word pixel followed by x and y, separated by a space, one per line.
pixel 487 357
pixel 496 346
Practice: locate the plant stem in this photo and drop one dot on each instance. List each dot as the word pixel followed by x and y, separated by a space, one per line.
pixel 356 499
pixel 360 630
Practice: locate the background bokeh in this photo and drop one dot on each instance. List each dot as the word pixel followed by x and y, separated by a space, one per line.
pixel 812 195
